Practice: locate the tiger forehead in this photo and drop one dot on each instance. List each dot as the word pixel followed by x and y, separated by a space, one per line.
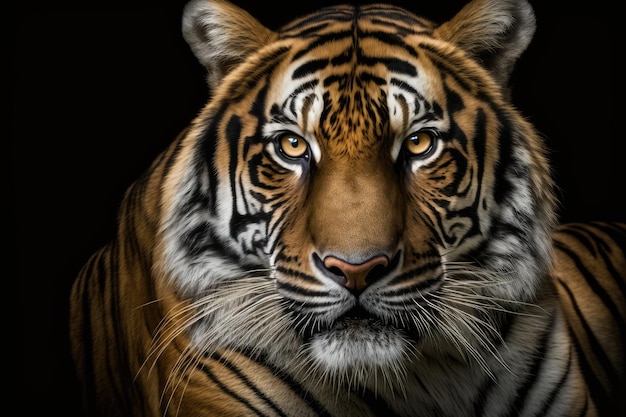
pixel 375 17
pixel 347 67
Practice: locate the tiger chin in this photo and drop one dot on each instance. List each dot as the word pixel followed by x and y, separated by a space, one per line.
pixel 358 222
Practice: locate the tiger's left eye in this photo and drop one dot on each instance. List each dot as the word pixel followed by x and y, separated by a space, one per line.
pixel 420 143
pixel 293 146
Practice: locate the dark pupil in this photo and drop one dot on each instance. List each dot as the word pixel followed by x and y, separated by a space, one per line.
pixel 294 142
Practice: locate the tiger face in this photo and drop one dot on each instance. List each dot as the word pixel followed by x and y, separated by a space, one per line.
pixel 358 194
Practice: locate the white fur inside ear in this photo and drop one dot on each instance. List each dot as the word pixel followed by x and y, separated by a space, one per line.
pixel 495 31
pixel 221 35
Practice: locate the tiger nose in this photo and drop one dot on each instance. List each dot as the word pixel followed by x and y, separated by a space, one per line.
pixel 355 277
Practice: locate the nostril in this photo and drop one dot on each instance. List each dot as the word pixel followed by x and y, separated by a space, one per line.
pixel 333 272
pixel 354 276
pixel 377 272
pixel 336 271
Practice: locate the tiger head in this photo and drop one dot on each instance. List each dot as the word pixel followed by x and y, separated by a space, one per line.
pixel 358 193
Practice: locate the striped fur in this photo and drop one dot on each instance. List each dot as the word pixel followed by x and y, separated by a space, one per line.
pixel 358 223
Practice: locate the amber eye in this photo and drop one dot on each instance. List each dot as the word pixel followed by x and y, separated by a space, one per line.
pixel 420 143
pixel 293 146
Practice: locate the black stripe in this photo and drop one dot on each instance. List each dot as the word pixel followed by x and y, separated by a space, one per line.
pixel 322 40
pixel 404 86
pixel 208 143
pixel 431 285
pixel 506 323
pixel 538 355
pixel 390 39
pixel 230 392
pixel 580 234
pixel 303 291
pixel 309 67
pixel 422 269
pixel 503 186
pixel 244 379
pixel 309 85
pixel 305 277
pixel 480 147
pixel 439 61
pixel 308 32
pixel 594 385
pixel 617 249
pixel 303 394
pixel 557 388
pixel 198 240
pixel 233 133
pixel 271 228
pixel 394 15
pixel 253 77
pixel 617 231
pixel 597 288
pixel 395 65
pixel 315 23
pixel 483 393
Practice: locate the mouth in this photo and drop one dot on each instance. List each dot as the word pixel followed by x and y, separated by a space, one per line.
pixel 358 344
pixel 357 313
pixel 355 323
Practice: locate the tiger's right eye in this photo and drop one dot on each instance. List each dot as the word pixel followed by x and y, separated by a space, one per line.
pixel 293 146
pixel 421 143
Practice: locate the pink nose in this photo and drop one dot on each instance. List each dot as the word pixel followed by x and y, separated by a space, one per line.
pixel 355 275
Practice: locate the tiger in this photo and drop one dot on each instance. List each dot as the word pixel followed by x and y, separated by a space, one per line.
pixel 357 222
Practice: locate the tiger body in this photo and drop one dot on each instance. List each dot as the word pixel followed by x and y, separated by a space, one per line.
pixel 358 223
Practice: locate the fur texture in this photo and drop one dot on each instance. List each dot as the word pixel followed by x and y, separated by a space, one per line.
pixel 358 223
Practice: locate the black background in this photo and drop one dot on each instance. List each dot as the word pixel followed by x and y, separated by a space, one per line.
pixel 99 88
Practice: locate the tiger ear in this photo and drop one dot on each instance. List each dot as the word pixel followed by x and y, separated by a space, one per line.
pixel 221 35
pixel 496 32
